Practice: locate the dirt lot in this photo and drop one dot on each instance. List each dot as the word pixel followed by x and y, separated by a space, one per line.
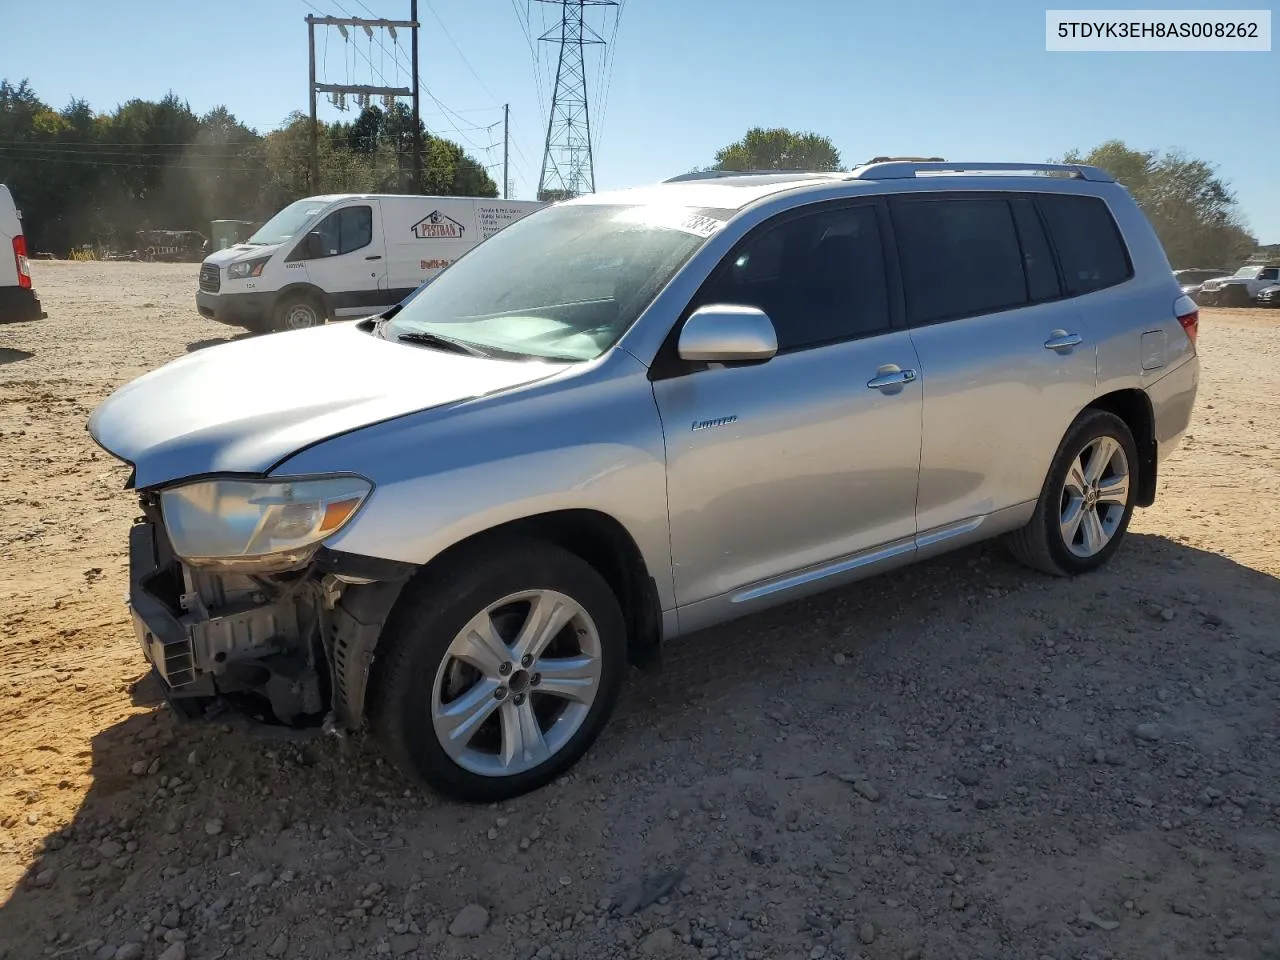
pixel 963 760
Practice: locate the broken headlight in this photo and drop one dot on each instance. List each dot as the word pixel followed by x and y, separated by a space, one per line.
pixel 265 524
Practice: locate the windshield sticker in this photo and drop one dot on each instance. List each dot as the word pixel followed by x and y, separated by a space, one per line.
pixel 701 226
pixel 674 218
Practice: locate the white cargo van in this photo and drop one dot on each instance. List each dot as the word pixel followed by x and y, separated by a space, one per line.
pixel 344 255
pixel 18 301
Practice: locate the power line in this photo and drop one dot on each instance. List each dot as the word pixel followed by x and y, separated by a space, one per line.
pixel 612 55
pixel 425 89
pixel 6 154
pixel 454 43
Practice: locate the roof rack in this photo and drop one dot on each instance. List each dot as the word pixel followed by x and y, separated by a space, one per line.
pixel 717 174
pixel 901 170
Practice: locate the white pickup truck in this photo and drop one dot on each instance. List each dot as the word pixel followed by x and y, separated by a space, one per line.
pixel 1241 289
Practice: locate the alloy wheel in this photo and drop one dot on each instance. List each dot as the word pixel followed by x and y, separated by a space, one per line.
pixel 1094 497
pixel 516 683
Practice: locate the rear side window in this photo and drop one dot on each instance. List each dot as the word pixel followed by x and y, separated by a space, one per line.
pixel 1088 242
pixel 960 257
pixel 1037 258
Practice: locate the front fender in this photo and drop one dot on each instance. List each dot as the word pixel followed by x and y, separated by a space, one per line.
pixel 589 439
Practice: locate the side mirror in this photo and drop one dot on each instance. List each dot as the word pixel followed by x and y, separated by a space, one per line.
pixel 720 333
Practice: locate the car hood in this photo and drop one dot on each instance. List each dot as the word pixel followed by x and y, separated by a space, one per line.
pixel 241 251
pixel 242 407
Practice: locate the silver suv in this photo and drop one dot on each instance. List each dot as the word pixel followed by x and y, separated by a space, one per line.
pixel 632 415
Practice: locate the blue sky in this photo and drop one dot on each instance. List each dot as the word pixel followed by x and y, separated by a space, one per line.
pixel 959 80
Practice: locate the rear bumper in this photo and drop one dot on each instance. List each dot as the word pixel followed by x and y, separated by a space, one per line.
pixel 19 305
pixel 248 310
pixel 1173 399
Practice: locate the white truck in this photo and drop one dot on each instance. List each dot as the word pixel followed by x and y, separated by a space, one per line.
pixel 344 255
pixel 18 302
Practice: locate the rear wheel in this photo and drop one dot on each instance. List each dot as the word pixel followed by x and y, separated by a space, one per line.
pixel 298 312
pixel 500 671
pixel 1087 500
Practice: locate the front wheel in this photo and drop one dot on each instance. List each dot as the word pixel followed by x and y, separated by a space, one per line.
pixel 298 313
pixel 500 671
pixel 1087 500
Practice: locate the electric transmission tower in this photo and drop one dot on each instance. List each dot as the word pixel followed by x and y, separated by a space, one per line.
pixel 567 165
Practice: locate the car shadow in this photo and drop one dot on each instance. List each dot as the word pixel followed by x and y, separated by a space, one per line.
pixel 195 345
pixel 246 842
pixel 9 355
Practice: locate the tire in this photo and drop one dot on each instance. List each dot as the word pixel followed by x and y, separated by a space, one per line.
pixel 1043 543
pixel 297 312
pixel 420 687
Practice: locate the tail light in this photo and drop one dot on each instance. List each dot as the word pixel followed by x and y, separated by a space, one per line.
pixel 24 265
pixel 1188 315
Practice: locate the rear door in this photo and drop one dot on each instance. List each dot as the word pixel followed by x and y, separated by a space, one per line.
pixel 349 263
pixel 1006 359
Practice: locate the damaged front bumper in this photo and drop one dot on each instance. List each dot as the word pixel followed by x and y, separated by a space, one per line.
pixel 298 644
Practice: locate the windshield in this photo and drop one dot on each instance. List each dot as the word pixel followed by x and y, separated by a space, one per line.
pixel 1249 272
pixel 286 224
pixel 563 283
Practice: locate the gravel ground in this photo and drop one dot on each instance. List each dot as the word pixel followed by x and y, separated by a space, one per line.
pixel 961 760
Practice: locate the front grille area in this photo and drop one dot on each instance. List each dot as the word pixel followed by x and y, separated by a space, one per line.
pixel 210 278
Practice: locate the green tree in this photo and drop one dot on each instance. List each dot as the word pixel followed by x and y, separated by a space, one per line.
pixel 778 149
pixel 1193 210
pixel 82 177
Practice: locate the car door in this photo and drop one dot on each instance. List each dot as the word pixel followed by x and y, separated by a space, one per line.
pixel 344 256
pixel 784 475
pixel 1007 360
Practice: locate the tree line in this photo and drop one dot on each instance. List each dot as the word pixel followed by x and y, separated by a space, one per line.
pixel 86 178
pixel 1193 210
pixel 82 177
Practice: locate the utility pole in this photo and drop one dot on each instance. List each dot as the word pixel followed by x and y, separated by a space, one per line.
pixel 506 148
pixel 343 89
pixel 417 124
pixel 568 167
pixel 313 168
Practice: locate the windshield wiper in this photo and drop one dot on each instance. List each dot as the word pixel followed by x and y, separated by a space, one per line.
pixel 442 343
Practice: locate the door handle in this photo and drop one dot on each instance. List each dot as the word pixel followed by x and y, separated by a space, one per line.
pixel 1061 340
pixel 888 377
pixel 376 256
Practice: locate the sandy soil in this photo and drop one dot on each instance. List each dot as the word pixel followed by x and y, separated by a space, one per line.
pixel 961 760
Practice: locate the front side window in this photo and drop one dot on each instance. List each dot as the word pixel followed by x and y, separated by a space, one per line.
pixel 343 231
pixel 1271 273
pixel 960 257
pixel 563 283
pixel 820 277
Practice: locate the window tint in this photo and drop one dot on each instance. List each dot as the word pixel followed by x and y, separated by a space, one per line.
pixel 1088 242
pixel 345 230
pixel 960 257
pixel 1037 259
pixel 1271 273
pixel 819 277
